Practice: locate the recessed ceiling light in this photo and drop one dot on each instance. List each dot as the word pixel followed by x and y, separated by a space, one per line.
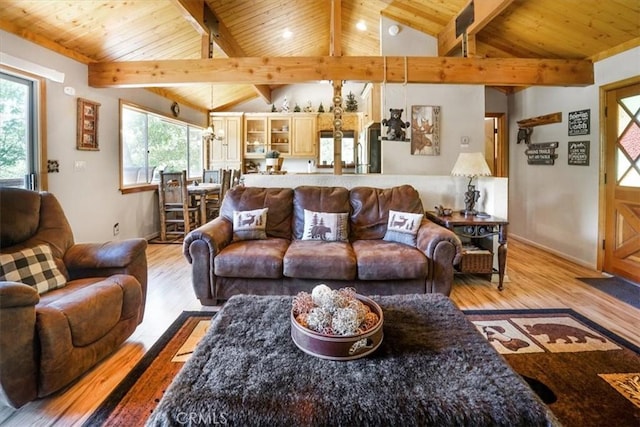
pixel 286 34
pixel 361 25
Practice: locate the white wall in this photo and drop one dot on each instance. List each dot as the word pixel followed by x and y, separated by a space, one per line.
pixel 434 190
pixel 556 207
pixel 462 109
pixel 91 198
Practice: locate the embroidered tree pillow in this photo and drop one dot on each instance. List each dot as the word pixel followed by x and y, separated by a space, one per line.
pixel 403 227
pixel 325 226
pixel 250 225
pixel 34 267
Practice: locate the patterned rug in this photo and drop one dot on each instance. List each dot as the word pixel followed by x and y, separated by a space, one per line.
pixel 587 375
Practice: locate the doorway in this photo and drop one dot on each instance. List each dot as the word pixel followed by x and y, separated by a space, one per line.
pixel 621 162
pixel 495 146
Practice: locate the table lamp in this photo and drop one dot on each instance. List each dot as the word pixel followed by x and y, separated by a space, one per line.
pixel 471 165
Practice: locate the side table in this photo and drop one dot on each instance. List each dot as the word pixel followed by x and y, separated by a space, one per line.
pixel 476 228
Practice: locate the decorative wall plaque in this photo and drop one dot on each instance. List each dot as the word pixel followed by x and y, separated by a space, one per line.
pixel 579 122
pixel 543 153
pixel 578 153
pixel 87 133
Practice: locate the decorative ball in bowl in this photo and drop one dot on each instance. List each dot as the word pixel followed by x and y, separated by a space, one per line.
pixel 336 324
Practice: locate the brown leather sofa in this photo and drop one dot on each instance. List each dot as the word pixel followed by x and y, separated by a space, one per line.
pixel 49 340
pixel 285 264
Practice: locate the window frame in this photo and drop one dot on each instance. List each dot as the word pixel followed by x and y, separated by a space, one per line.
pixel 37 157
pixel 136 188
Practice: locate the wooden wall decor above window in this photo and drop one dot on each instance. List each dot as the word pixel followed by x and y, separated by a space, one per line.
pixel 87 134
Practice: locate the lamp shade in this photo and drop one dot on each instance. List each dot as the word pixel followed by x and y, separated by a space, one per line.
pixel 470 165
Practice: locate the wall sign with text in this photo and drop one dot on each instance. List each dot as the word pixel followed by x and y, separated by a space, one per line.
pixel 579 122
pixel 579 153
pixel 543 153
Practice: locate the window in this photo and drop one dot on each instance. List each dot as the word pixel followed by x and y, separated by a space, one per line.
pixel 153 142
pixel 19 144
pixel 348 148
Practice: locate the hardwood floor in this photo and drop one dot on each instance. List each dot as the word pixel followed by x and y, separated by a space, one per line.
pixel 537 279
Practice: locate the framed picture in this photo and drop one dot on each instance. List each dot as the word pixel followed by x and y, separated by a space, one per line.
pixel 425 130
pixel 87 133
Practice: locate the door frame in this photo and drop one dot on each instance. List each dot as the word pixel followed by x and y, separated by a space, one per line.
pixel 602 190
pixel 502 147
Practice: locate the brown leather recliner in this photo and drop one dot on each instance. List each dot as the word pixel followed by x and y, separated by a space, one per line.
pixel 49 340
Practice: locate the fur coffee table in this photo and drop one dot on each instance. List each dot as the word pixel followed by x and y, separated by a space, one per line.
pixel 433 368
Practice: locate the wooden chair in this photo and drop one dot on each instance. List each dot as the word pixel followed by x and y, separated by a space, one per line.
pixel 214 204
pixel 235 177
pixel 177 214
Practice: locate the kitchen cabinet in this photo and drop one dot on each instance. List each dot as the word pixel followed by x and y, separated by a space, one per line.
pixel 305 138
pixel 225 149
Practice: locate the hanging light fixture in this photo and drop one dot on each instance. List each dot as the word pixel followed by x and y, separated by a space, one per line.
pixel 208 133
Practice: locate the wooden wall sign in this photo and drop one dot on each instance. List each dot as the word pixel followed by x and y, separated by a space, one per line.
pixel 579 122
pixel 579 153
pixel 543 153
pixel 87 130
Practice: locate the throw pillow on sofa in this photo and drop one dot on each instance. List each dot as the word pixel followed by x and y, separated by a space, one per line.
pixel 250 225
pixel 402 227
pixel 34 267
pixel 325 226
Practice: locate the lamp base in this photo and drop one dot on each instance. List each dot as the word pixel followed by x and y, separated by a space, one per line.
pixel 471 196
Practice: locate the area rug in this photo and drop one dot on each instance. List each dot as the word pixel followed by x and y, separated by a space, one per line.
pixel 618 288
pixel 593 375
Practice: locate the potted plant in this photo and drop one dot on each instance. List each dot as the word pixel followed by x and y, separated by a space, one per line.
pixel 272 157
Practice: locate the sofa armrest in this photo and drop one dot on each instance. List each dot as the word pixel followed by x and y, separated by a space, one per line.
pixel 18 368
pixel 106 259
pixel 200 248
pixel 444 250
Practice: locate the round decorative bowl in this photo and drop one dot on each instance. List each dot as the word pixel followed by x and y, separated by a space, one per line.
pixel 339 347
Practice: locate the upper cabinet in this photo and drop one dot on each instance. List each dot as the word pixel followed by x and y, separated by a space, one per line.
pixel 225 149
pixel 372 105
pixel 280 133
pixel 291 134
pixel 256 140
pixel 305 138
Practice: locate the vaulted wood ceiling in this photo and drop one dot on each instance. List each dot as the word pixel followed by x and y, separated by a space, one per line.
pixel 104 32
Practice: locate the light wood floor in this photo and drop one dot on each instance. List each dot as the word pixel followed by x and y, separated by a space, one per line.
pixel 536 280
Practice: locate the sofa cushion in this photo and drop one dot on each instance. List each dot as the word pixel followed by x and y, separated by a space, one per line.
pixel 381 260
pixel 32 266
pixel 87 309
pixel 370 209
pixel 252 259
pixel 326 226
pixel 278 200
pixel 403 227
pixel 317 199
pixel 250 225
pixel 330 260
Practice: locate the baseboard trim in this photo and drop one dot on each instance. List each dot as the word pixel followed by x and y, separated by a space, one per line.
pixel 562 255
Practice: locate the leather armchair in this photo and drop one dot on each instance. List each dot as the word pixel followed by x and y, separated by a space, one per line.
pixel 49 340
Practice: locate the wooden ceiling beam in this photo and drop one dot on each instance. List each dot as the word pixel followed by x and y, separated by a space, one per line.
pixel 484 12
pixel 288 70
pixel 193 12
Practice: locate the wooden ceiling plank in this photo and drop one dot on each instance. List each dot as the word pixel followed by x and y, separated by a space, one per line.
pixel 335 44
pixel 288 70
pixel 44 42
pixel 484 12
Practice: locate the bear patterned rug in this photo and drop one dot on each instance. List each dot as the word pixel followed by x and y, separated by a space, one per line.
pixel 587 375
pixel 591 376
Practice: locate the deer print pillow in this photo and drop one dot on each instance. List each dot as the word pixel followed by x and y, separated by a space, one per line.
pixel 250 225
pixel 403 227
pixel 324 226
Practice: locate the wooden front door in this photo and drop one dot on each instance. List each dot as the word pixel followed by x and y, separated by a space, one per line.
pixel 622 222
